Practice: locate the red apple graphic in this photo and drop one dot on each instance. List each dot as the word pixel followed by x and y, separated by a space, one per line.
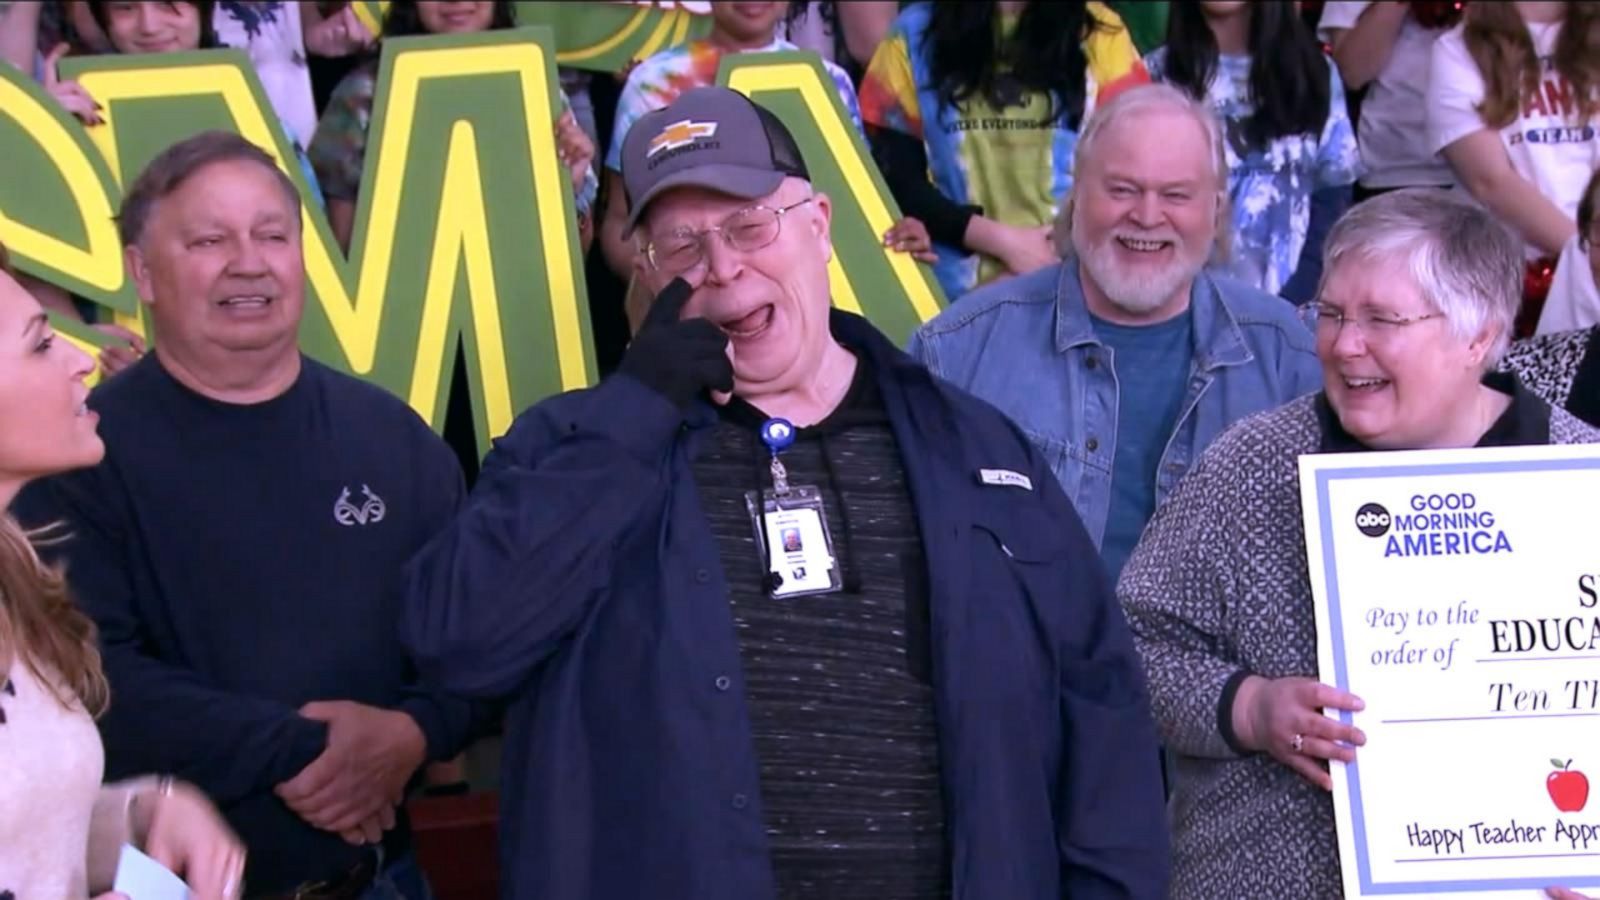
pixel 1569 789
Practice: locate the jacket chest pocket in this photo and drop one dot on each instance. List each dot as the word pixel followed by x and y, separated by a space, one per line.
pixel 1016 563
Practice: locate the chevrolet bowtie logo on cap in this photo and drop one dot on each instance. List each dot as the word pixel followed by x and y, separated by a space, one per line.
pixel 680 134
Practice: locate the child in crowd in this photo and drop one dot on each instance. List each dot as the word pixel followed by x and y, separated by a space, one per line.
pixel 974 109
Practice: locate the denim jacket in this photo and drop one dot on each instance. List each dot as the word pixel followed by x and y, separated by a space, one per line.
pixel 1027 345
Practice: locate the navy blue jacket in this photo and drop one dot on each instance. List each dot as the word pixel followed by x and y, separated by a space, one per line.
pixel 582 584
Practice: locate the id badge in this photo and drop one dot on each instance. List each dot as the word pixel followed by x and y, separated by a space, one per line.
pixel 798 546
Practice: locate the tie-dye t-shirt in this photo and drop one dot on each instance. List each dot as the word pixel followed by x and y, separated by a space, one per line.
pixel 1270 187
pixel 1014 161
pixel 658 81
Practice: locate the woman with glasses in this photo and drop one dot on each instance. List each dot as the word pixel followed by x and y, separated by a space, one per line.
pixel 1415 307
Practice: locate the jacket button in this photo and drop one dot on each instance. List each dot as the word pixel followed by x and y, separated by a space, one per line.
pixel 723 682
pixel 740 801
pixel 1092 444
pixel 1092 362
pixel 701 576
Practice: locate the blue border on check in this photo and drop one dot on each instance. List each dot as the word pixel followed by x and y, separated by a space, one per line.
pixel 1342 678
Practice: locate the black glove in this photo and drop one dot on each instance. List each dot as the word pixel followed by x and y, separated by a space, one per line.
pixel 680 360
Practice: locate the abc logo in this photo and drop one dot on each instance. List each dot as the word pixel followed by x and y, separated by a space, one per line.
pixel 1373 520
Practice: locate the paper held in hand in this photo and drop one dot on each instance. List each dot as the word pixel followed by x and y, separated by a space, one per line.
pixel 141 878
pixel 1458 594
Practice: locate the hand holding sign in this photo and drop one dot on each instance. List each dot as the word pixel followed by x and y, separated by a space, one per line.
pixel 341 34
pixel 70 94
pixel 574 147
pixel 1283 718
pixel 910 236
pixel 116 357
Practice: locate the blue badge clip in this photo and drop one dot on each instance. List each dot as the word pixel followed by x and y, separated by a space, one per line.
pixel 778 435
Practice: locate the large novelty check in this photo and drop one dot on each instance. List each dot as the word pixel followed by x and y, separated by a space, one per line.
pixel 1458 594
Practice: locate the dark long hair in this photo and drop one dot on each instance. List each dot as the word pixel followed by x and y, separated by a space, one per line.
pixel 1289 81
pixel 1044 52
pixel 402 20
pixel 206 8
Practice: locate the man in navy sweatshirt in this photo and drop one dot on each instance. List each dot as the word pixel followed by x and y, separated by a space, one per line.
pixel 778 613
pixel 240 547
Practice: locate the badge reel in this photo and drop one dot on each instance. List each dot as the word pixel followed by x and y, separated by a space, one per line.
pixel 791 526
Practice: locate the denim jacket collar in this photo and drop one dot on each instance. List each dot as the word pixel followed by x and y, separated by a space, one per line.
pixel 1218 341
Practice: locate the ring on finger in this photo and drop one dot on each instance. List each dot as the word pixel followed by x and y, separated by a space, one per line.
pixel 1297 743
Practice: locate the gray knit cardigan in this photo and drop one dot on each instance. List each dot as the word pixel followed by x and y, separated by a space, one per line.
pixel 1218 584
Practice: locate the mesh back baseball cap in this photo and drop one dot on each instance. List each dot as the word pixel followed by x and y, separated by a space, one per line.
pixel 710 137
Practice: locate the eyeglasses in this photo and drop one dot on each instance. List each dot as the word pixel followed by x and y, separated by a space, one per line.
pixel 746 231
pixel 1376 327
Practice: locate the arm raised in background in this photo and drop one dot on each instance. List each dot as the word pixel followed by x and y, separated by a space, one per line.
pixel 1362 50
pixel 865 24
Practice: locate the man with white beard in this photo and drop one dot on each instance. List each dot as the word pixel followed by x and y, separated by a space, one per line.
pixel 1125 360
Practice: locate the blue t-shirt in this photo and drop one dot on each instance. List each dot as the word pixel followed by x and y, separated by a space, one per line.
pixel 1152 364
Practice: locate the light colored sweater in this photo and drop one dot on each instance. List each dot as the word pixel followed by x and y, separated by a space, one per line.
pixel 1218 584
pixel 60 830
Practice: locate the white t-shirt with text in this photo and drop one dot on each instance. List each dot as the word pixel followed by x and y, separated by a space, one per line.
pixel 1574 301
pixel 1549 144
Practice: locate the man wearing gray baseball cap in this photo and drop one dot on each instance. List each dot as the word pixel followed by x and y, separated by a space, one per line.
pixel 775 612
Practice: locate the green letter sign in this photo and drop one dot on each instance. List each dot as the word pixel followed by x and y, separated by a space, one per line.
pixel 465 226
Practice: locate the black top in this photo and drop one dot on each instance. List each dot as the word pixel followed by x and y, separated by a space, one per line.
pixel 838 686
pixel 1584 399
pixel 240 562
pixel 1526 421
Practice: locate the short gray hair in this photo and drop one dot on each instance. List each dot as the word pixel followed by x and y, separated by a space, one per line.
pixel 1465 263
pixel 1139 99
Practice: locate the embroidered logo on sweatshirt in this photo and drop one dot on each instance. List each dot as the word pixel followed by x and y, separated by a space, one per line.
pixel 370 512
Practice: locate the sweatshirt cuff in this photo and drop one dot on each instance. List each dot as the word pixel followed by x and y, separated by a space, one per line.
pixel 948 226
pixel 306 741
pixel 1230 690
pixel 436 733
